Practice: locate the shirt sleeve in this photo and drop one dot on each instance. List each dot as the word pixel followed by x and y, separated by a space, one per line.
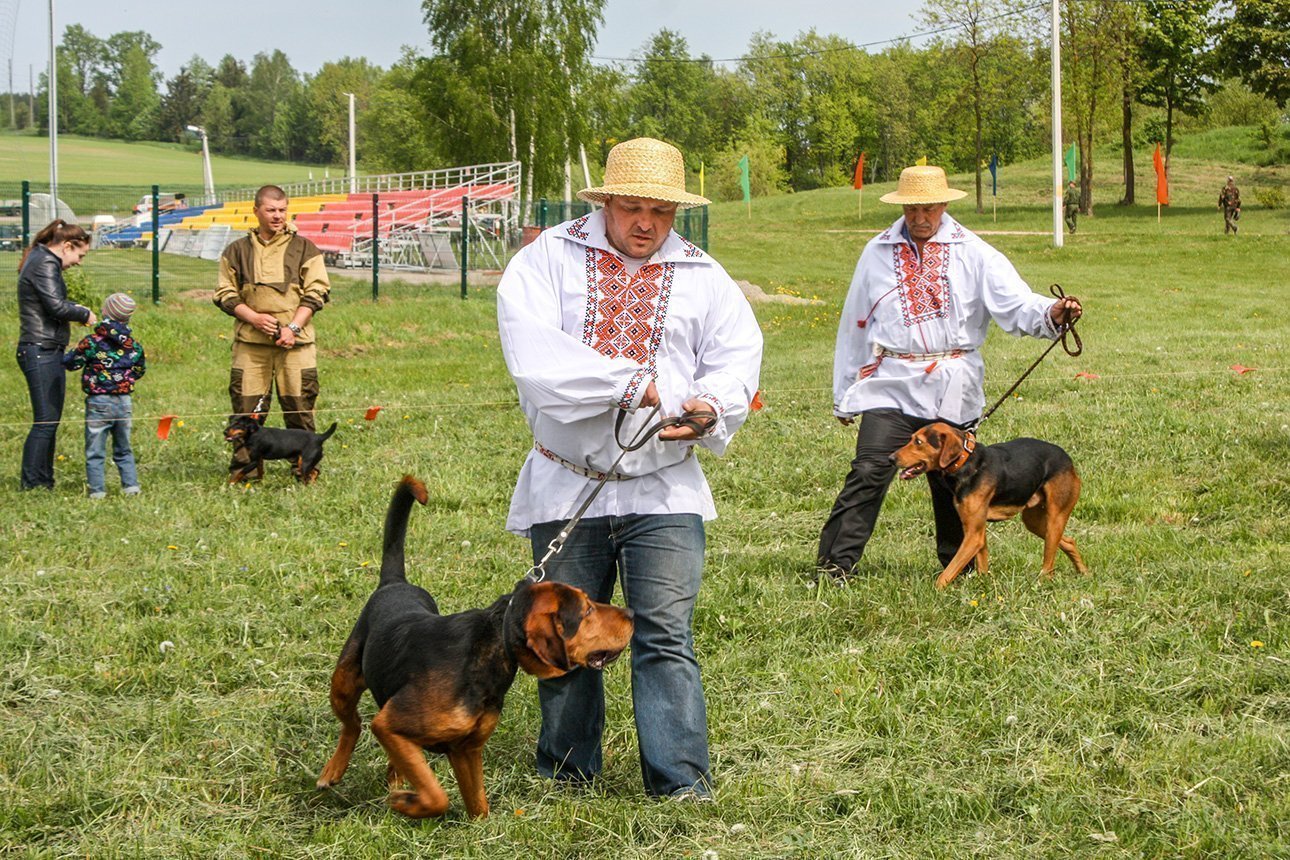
pixel 854 346
pixel 554 371
pixel 1011 303
pixel 315 286
pixel 74 359
pixel 729 363
pixel 228 293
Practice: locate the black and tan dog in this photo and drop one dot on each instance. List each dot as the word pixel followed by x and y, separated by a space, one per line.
pixel 995 482
pixel 270 443
pixel 439 680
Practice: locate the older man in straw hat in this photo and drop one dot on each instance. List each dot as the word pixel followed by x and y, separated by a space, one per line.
pixel 918 310
pixel 610 315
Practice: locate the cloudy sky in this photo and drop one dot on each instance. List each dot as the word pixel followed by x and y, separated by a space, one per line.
pixel 311 33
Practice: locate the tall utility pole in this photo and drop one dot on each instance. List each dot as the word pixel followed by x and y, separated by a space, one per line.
pixel 53 118
pixel 207 181
pixel 1057 126
pixel 353 175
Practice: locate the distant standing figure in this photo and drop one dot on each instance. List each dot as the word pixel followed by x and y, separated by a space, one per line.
pixel 44 312
pixel 114 361
pixel 1229 200
pixel 1070 201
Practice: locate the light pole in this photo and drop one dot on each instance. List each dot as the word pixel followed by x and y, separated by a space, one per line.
pixel 208 182
pixel 53 118
pixel 1057 125
pixel 353 176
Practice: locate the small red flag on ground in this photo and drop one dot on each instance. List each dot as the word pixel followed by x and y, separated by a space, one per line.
pixel 1162 181
pixel 372 412
pixel 163 426
pixel 1241 369
pixel 757 403
pixel 858 181
pixel 1086 375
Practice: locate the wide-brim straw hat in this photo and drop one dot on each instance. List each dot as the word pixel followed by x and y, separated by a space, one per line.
pixel 922 185
pixel 644 167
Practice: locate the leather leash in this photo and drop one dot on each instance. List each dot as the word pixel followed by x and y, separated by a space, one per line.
pixel 1067 330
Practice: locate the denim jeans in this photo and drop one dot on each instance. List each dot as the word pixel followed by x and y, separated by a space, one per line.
pixel 47 385
pixel 659 560
pixel 108 415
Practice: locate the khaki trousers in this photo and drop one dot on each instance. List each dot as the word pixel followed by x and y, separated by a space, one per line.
pixel 258 369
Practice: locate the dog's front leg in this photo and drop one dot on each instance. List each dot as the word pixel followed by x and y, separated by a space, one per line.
pixel 468 766
pixel 973 515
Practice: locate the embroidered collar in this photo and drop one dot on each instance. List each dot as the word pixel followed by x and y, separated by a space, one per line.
pixel 950 231
pixel 589 230
pixel 969 445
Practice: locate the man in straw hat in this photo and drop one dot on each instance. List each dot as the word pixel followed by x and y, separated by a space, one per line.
pixel 609 314
pixel 918 310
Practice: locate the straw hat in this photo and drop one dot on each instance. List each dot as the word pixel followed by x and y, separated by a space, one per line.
pixel 921 185
pixel 644 167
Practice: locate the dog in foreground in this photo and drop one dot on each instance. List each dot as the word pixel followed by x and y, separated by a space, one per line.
pixel 270 443
pixel 439 680
pixel 995 482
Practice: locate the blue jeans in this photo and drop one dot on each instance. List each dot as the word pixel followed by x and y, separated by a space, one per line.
pixel 47 385
pixel 659 560
pixel 108 415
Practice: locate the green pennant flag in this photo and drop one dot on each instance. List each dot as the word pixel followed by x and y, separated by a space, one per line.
pixel 744 182
pixel 1072 158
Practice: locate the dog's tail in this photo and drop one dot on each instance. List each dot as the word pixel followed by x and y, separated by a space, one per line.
pixel 396 527
pixel 326 434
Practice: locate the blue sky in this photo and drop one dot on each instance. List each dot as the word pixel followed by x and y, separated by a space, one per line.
pixel 311 33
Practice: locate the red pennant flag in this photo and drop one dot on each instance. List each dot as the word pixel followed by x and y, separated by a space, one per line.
pixel 858 182
pixel 757 404
pixel 1241 369
pixel 163 426
pixel 372 412
pixel 1162 181
pixel 1085 375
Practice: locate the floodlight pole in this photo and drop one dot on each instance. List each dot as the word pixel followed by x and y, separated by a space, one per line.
pixel 53 117
pixel 353 176
pixel 1057 126
pixel 208 181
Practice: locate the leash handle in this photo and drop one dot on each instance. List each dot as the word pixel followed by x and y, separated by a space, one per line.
pixel 1065 329
pixel 538 571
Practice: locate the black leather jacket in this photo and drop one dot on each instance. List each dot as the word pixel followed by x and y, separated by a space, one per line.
pixel 43 308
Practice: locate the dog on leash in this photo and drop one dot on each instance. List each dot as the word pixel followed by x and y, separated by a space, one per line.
pixel 270 443
pixel 440 680
pixel 995 482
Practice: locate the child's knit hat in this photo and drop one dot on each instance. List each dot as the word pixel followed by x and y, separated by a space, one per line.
pixel 119 307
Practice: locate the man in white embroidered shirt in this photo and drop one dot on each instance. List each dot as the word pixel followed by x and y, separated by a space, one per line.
pixel 613 312
pixel 918 310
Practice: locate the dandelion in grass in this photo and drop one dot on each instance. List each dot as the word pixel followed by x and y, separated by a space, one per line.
pixel 343 543
pixel 179 423
pixel 171 546
pixel 972 602
pixel 61 458
pixel 1255 643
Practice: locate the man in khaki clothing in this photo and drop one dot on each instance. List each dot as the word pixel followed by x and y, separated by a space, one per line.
pixel 273 281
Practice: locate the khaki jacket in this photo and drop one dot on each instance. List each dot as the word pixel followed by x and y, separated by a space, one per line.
pixel 275 278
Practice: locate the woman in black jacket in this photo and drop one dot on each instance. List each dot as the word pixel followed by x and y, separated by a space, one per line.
pixel 43 334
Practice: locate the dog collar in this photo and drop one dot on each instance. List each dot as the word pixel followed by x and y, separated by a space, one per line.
pixel 969 445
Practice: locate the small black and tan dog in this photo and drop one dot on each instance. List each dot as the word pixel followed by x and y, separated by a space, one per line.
pixel 440 680
pixel 995 482
pixel 270 443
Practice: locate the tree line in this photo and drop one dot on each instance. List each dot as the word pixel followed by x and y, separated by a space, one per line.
pixel 513 80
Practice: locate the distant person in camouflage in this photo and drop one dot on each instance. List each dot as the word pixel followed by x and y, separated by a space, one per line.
pixel 1229 200
pixel 1070 202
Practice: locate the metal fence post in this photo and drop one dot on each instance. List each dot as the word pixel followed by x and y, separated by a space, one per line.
pixel 156 245
pixel 26 214
pixel 542 213
pixel 704 243
pixel 376 246
pixel 465 242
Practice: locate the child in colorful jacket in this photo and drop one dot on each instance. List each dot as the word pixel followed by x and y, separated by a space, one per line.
pixel 113 362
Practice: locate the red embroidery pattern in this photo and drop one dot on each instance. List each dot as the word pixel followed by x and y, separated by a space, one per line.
pixel 625 313
pixel 925 287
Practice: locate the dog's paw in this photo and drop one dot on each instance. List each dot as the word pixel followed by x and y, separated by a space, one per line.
pixel 409 803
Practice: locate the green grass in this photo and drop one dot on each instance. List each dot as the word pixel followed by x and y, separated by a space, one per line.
pixel 1125 713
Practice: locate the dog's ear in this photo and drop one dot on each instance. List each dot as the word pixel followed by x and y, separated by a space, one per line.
pixel 545 638
pixel 951 447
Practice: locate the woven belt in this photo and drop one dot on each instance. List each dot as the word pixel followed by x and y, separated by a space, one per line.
pixel 883 352
pixel 581 470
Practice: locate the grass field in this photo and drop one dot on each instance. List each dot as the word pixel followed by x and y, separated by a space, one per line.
pixel 1141 711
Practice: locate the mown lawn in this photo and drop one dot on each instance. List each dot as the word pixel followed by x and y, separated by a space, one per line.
pixel 1143 710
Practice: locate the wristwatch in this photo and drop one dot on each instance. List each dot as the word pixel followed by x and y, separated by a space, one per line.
pixel 294 328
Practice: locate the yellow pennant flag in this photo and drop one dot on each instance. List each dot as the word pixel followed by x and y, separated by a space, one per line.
pixel 701 194
pixel 922 162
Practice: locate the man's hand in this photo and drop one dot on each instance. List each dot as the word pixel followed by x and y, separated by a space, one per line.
pixel 266 323
pixel 650 398
pixel 286 338
pixel 696 407
pixel 92 320
pixel 845 422
pixel 1065 311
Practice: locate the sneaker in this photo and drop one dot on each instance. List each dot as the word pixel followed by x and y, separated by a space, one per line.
pixel 97 496
pixel 691 795
pixel 132 491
